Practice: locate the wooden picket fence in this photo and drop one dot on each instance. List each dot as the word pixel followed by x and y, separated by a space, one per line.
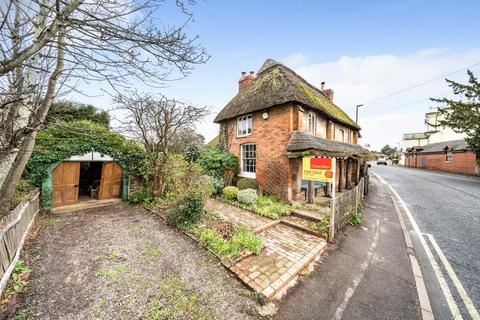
pixel 13 231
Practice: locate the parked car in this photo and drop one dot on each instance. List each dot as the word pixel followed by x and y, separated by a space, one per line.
pixel 382 161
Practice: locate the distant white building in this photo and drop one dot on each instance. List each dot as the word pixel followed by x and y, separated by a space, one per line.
pixel 434 133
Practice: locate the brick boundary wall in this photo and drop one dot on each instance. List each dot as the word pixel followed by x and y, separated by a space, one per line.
pixel 462 162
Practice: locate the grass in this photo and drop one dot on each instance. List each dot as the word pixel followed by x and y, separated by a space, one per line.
pixel 174 302
pixel 112 273
pixel 151 253
pixel 356 219
pixel 242 240
pixel 113 256
pixel 266 206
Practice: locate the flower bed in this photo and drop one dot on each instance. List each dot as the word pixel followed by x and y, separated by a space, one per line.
pixel 265 206
pixel 227 241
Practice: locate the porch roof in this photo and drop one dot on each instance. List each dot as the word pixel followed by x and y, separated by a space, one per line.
pixel 302 142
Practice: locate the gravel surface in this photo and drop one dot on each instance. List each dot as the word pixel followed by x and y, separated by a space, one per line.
pixel 122 262
pixel 447 206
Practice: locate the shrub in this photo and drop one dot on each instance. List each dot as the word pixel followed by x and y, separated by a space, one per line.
pixel 247 196
pixel 243 239
pixel 230 192
pixel 183 178
pixel 247 183
pixel 214 162
pixel 141 195
pixel 189 212
pixel 217 185
pixel 271 207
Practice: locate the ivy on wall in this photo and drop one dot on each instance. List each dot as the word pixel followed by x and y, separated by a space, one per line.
pixel 66 139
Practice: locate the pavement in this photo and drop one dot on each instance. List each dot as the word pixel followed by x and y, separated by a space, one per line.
pixel 367 274
pixel 446 208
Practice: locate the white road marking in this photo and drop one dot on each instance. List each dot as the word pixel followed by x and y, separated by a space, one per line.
pixel 461 290
pixel 356 281
pixel 443 284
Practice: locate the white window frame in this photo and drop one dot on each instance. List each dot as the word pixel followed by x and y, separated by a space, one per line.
pixel 248 174
pixel 312 122
pixel 342 134
pixel 244 125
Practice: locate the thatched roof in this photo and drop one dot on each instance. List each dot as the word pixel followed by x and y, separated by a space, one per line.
pixel 304 142
pixel 214 142
pixel 276 84
pixel 454 145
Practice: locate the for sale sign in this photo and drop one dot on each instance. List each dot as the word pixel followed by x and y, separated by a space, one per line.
pixel 318 169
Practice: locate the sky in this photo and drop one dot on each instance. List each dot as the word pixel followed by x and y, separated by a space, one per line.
pixel 364 50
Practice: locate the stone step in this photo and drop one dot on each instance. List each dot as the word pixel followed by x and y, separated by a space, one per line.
pixel 301 224
pixel 310 215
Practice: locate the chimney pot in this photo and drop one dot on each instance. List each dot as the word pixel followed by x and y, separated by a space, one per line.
pixel 245 80
pixel 322 85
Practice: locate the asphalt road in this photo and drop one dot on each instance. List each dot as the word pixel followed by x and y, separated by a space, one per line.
pixel 447 207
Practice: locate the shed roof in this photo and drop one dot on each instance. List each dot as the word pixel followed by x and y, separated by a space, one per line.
pixel 453 145
pixel 276 84
pixel 302 141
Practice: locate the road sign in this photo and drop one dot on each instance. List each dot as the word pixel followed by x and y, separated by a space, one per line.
pixel 318 169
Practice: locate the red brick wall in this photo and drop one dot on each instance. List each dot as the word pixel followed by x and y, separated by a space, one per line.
pixel 462 162
pixel 271 137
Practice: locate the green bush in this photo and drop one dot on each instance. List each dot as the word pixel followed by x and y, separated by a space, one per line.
pixel 141 195
pixel 247 183
pixel 189 212
pixel 214 162
pixel 217 185
pixel 271 207
pixel 243 239
pixel 230 192
pixel 247 196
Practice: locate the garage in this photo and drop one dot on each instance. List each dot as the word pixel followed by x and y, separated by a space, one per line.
pixel 86 180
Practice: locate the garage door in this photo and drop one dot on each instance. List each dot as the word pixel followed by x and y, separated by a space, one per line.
pixel 111 183
pixel 65 184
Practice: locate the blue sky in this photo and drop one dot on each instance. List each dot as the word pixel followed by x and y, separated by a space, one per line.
pixel 362 49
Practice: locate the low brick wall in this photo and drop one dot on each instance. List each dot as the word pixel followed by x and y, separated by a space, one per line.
pixel 347 202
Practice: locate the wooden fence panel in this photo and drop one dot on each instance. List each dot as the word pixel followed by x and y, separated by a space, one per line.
pixel 14 229
pixel 346 203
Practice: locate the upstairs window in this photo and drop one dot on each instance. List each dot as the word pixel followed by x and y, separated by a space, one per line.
pixel 448 156
pixel 312 123
pixel 244 126
pixel 248 160
pixel 342 135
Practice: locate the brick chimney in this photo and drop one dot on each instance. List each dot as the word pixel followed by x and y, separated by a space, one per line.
pixel 245 80
pixel 327 92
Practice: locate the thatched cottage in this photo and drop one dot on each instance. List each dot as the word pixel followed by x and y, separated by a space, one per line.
pixel 277 118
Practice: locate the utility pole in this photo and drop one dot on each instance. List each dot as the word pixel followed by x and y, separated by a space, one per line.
pixel 356 112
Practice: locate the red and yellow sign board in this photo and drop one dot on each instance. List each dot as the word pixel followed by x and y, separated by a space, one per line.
pixel 318 169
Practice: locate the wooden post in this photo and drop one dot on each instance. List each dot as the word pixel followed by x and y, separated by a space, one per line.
pixel 347 175
pixel 340 175
pixel 331 225
pixel 311 192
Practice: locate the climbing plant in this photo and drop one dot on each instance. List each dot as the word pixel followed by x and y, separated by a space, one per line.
pixel 65 139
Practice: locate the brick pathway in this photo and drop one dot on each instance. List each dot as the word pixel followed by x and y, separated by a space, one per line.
pixel 287 250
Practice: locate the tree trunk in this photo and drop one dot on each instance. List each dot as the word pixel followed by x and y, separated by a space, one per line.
pixel 36 120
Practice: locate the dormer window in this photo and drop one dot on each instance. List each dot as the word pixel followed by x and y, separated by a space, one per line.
pixel 244 126
pixel 312 123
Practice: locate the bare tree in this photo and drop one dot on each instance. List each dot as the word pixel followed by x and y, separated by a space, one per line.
pixel 51 47
pixel 155 122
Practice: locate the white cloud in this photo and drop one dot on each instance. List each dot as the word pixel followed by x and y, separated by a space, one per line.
pixel 358 80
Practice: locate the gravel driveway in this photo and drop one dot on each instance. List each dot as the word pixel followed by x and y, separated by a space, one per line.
pixel 122 262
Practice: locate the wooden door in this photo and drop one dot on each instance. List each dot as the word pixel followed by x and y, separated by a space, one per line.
pixel 65 184
pixel 111 183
